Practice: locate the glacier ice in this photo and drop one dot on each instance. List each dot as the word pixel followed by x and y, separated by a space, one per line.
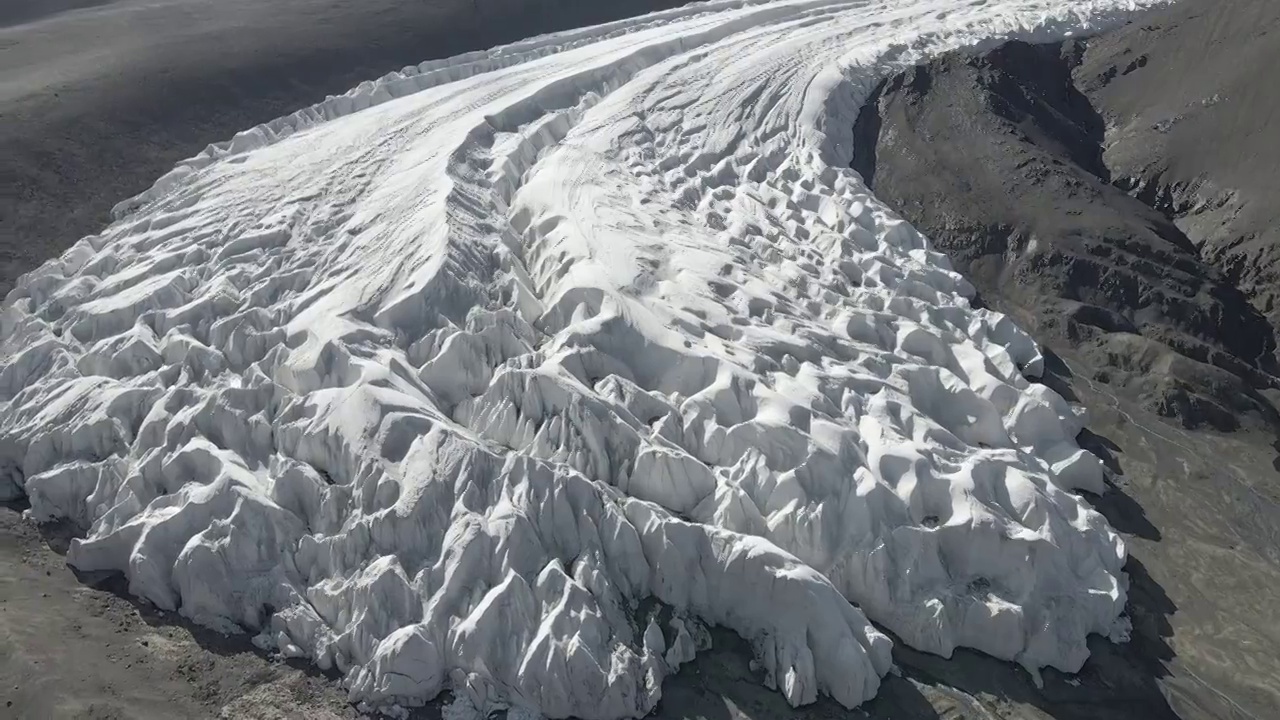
pixel 508 374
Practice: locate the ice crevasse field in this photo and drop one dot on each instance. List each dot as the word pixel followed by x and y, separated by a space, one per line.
pixel 511 373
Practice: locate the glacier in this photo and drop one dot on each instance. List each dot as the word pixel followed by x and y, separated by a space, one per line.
pixel 509 374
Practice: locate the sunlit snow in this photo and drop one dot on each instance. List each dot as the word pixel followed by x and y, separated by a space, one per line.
pixel 511 373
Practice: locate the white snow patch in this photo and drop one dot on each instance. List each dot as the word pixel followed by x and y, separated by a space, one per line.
pixel 445 379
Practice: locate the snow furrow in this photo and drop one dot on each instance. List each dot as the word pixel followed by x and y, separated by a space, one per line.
pixel 509 373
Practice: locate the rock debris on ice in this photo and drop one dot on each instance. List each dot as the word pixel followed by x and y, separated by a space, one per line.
pixel 509 374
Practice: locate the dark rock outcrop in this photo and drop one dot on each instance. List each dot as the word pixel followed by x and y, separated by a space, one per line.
pixel 1192 105
pixel 1000 160
pixel 1086 190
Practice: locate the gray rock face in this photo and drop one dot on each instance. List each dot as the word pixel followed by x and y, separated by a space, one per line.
pixel 1119 198
pixel 1192 107
pixel 1000 160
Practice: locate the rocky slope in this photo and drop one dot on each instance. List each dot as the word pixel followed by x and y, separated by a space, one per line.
pixel 1193 116
pixel 1000 159
pixel 1117 197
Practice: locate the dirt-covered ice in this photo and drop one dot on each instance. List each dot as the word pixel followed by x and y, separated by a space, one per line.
pixel 510 373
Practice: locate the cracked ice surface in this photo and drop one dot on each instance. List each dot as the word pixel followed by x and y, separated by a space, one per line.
pixel 450 381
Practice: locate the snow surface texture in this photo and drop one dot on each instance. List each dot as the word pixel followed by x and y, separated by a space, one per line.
pixel 509 373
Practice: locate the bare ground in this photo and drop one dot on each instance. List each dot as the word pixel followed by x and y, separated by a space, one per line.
pixel 98 98
pixel 73 646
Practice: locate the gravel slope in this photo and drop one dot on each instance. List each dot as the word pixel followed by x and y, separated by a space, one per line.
pixel 70 647
pixel 1000 160
pixel 1193 115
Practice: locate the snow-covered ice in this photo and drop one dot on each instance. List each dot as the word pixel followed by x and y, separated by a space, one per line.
pixel 510 373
